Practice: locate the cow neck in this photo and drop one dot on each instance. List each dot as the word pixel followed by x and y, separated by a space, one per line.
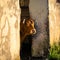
pixel 23 35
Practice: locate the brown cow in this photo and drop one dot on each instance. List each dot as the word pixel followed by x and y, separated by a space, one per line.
pixel 27 28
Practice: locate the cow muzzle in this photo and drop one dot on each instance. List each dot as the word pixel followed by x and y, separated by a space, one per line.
pixel 33 31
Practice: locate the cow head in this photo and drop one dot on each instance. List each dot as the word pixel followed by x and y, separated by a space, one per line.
pixel 27 26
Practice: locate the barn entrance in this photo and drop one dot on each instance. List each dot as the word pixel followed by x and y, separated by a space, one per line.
pixel 36 47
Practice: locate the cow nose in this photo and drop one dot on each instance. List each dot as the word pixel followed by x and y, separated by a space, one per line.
pixel 34 31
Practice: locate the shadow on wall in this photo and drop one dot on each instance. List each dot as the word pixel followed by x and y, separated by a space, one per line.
pixel 40 42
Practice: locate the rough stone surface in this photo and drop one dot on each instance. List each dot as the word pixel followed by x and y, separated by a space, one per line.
pixel 54 21
pixel 9 30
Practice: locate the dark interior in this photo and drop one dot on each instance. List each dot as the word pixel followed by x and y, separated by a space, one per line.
pixel 25 52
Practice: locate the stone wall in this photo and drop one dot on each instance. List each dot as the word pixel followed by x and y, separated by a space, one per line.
pixel 54 21
pixel 9 29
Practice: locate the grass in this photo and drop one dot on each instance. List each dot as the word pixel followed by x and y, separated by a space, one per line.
pixel 54 52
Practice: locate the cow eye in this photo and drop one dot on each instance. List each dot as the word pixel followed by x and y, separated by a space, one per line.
pixel 31 21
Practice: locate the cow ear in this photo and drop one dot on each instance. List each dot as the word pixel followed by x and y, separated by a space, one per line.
pixel 23 21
